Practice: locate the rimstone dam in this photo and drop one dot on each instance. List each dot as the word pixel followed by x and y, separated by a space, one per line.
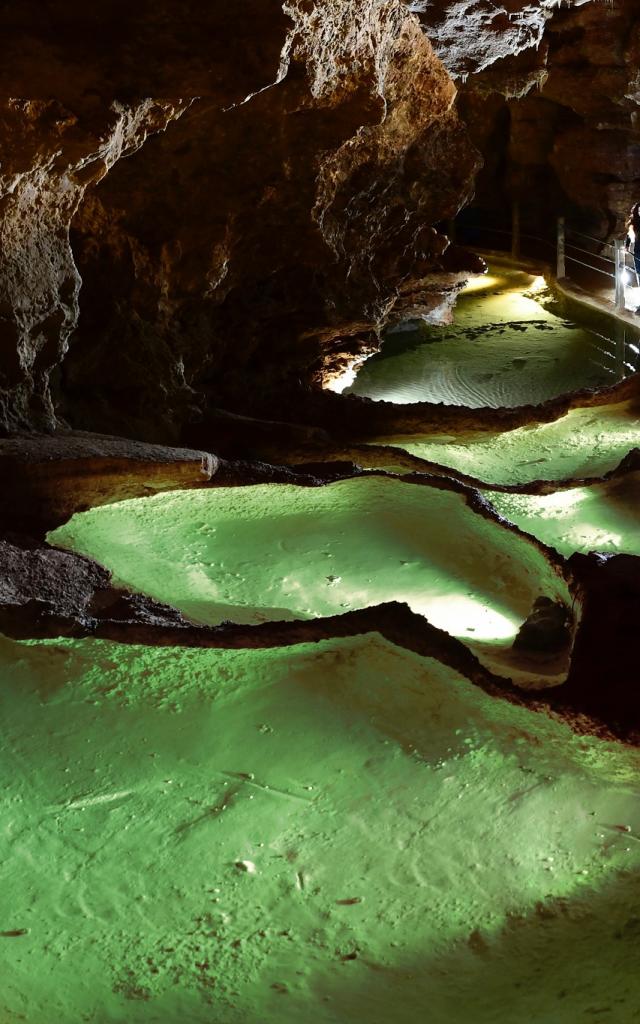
pixel 320 512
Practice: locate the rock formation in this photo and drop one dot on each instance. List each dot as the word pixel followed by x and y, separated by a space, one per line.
pixel 572 89
pixel 311 150
pixel 286 167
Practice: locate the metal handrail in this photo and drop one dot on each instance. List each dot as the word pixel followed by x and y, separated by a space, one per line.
pixel 591 238
pixel 597 270
pixel 587 252
pixel 566 250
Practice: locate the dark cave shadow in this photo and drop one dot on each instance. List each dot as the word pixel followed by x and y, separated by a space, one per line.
pixel 568 959
pixel 623 495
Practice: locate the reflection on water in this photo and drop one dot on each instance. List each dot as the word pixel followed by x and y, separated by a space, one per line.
pixel 509 346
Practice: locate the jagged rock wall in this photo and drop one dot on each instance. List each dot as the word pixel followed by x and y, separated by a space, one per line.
pixel 560 123
pixel 102 67
pixel 473 35
pixel 279 204
pixel 251 241
pixel 282 212
pixel 50 155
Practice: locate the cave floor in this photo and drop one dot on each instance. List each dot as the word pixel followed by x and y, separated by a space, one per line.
pixel 265 553
pixel 586 442
pixel 510 345
pixel 342 831
pixel 335 832
pixel 602 517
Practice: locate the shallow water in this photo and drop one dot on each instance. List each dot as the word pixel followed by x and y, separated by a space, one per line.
pixel 329 833
pixel 507 347
pixel 252 554
pixel 585 443
pixel 603 517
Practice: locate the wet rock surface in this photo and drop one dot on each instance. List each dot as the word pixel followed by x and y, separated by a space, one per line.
pixel 46 478
pixel 546 630
pixel 48 592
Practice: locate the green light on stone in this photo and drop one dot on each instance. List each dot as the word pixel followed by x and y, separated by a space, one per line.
pixel 585 443
pixel 465 617
pixel 602 517
pixel 264 553
pixel 506 347
pixel 391 810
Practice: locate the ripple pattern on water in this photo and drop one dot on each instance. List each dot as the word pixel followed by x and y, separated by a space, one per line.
pixel 508 347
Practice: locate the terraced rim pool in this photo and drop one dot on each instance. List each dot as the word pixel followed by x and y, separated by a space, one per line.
pixel 335 832
pixel 343 831
pixel 509 345
pixel 602 517
pixel 586 442
pixel 256 554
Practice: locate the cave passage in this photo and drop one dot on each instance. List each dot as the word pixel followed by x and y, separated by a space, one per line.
pixel 509 345
pixel 319 556
pixel 343 824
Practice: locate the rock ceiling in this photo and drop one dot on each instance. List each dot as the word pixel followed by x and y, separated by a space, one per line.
pixel 286 165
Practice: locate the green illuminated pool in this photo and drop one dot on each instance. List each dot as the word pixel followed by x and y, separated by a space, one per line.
pixel 262 553
pixel 336 832
pixel 341 832
pixel 587 442
pixel 506 347
pixel 603 517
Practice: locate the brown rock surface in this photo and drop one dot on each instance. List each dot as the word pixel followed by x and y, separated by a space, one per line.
pixel 472 35
pixel 291 207
pixel 49 154
pixel 565 138
pixel 287 164
pixel 46 478
pixel 252 242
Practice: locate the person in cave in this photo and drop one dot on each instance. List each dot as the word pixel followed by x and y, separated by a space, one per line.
pixel 632 241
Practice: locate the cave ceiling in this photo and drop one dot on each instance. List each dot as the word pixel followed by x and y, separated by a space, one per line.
pixel 338 122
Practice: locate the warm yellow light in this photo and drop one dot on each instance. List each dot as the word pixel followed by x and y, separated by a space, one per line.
pixel 538 284
pixel 463 616
pixel 346 378
pixel 480 283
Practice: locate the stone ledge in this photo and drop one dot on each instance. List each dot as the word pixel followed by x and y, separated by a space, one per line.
pixel 46 478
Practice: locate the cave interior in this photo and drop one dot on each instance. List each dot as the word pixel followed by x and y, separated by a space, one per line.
pixel 319 534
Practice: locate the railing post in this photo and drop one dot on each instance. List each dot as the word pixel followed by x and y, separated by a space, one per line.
pixel 621 348
pixel 620 268
pixel 561 268
pixel 515 230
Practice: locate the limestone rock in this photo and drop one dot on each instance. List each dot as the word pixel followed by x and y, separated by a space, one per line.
pixel 546 630
pixel 565 136
pixel 312 150
pixel 252 242
pixel 49 155
pixel 46 478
